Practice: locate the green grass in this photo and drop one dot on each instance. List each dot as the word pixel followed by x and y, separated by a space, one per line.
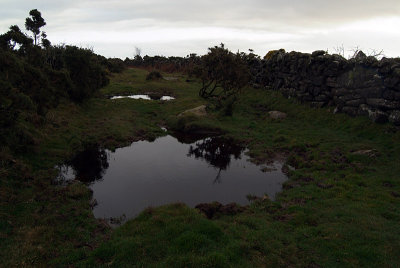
pixel 337 209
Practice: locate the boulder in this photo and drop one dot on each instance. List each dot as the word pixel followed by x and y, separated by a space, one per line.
pixel 352 111
pixel 383 104
pixel 355 102
pixel 378 116
pixel 394 117
pixel 277 115
pixel 360 56
pixel 368 152
pixel 318 53
pixel 198 111
pixel 364 110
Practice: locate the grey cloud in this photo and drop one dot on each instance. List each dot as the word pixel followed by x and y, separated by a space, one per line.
pixel 306 12
pixel 302 20
pixel 285 14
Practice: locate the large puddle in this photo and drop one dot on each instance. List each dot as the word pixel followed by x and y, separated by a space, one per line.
pixel 170 170
pixel 144 97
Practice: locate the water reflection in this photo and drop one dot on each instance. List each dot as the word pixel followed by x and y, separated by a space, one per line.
pixel 144 97
pixel 217 152
pixel 167 171
pixel 89 165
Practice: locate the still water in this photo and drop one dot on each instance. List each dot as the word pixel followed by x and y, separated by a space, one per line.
pixel 143 97
pixel 170 170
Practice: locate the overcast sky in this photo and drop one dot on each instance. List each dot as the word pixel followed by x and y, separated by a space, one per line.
pixel 114 28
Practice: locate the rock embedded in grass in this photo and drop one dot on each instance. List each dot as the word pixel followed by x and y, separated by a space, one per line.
pixel 198 111
pixel 395 117
pixel 277 115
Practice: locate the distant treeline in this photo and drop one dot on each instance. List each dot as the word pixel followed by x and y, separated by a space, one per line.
pixel 186 64
pixel 165 64
pixel 36 76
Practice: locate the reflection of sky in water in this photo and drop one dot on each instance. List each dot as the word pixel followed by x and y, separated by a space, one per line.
pixel 167 171
pixel 142 97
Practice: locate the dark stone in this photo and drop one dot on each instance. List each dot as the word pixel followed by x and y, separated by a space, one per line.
pixel 370 153
pixel 392 82
pixel 321 98
pixel 384 66
pixel 358 77
pixel 317 80
pixel 355 103
pixel 277 115
pixel 370 92
pixel 375 81
pixel 394 117
pixel 378 116
pixel 337 109
pixel 304 97
pixel 364 110
pixel 331 82
pixel 317 104
pixel 318 53
pixel 389 94
pixel 371 60
pixel 338 58
pixel 340 91
pixel 349 97
pixel 352 111
pixel 396 70
pixel 360 56
pixel 383 104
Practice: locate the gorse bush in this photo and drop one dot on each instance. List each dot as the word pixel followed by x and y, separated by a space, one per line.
pixel 86 72
pixel 35 76
pixel 223 73
pixel 154 75
pixel 115 65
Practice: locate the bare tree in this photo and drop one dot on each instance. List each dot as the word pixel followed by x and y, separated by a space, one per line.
pixel 376 53
pixel 138 51
pixel 370 53
pixel 339 50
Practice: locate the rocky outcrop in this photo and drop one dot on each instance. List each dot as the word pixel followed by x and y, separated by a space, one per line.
pixel 359 86
pixel 198 111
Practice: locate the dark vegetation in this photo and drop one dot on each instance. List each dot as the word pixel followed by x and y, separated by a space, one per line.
pixel 222 73
pixel 165 64
pixel 154 75
pixel 36 76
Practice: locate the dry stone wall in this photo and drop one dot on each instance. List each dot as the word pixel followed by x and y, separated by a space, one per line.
pixel 359 86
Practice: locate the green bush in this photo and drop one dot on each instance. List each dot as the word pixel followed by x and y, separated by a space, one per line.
pixel 154 75
pixel 35 77
pixel 115 65
pixel 86 72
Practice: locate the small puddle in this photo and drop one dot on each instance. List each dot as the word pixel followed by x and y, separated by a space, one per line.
pixel 169 170
pixel 170 78
pixel 143 97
